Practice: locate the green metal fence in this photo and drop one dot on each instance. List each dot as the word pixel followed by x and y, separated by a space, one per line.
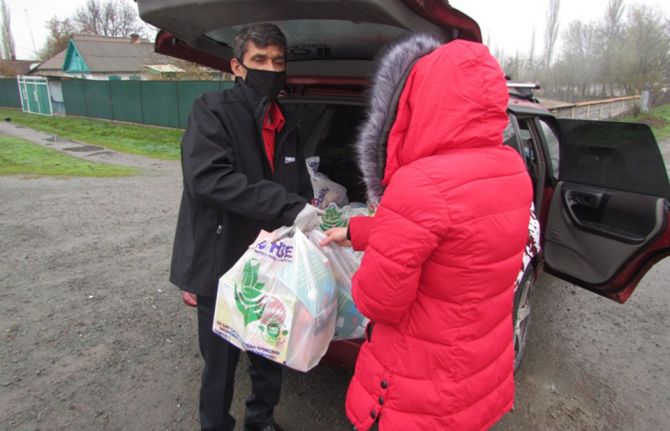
pixel 127 101
pixel 160 103
pixel 74 97
pixel 98 99
pixel 9 93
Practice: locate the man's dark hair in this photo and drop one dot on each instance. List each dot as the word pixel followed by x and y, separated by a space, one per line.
pixel 261 34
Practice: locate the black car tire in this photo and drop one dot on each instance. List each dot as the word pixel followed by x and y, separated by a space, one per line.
pixel 521 314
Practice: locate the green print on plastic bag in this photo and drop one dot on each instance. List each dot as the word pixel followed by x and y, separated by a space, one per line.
pixel 248 297
pixel 332 218
pixel 273 321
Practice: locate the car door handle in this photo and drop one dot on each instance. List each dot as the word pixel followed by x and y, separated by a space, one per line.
pixel 591 199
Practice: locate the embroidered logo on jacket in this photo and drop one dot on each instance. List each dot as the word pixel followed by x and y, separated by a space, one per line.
pixel 289 159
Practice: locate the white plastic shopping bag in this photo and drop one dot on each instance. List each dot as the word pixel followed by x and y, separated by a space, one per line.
pixel 344 262
pixel 326 191
pixel 279 300
pixel 334 216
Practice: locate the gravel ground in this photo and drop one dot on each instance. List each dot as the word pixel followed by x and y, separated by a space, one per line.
pixel 94 336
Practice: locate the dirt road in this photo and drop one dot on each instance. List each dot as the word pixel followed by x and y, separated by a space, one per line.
pixel 94 337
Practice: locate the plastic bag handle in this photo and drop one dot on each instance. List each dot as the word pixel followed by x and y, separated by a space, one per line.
pixel 282 232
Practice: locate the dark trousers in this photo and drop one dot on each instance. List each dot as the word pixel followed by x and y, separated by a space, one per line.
pixel 218 378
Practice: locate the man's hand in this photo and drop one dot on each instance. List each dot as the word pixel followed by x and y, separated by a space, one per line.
pixel 338 235
pixel 308 218
pixel 189 299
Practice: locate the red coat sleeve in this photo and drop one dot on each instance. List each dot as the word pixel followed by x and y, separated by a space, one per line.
pixel 411 220
pixel 359 231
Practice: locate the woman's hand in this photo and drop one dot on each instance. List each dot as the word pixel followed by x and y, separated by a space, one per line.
pixel 338 235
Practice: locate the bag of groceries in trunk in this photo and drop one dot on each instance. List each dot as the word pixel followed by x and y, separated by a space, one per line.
pixel 279 300
pixel 326 191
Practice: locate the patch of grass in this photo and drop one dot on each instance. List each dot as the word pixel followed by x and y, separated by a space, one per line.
pixel 657 118
pixel 128 138
pixel 22 157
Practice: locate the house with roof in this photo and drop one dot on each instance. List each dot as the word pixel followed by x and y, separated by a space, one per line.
pixel 12 68
pixel 109 58
pixel 83 70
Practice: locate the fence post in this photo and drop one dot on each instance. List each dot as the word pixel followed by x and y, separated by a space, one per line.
pixel 176 89
pixel 18 81
pixel 85 86
pixel 644 106
pixel 141 102
pixel 111 101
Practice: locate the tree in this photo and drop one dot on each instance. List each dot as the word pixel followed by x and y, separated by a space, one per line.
pixel 115 18
pixel 614 18
pixel 580 59
pixel 551 31
pixel 8 50
pixel 513 67
pixel 60 32
pixel 611 35
pixel 625 52
pixel 646 45
pixel 531 55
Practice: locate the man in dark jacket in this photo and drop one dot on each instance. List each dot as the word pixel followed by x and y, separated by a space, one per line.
pixel 243 171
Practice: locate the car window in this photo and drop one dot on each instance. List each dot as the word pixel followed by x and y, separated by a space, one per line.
pixel 528 148
pixel 509 135
pixel 531 152
pixel 552 145
pixel 619 156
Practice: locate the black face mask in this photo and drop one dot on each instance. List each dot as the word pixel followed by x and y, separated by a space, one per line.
pixel 265 82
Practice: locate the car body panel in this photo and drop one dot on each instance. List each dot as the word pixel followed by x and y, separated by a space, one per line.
pixel 343 353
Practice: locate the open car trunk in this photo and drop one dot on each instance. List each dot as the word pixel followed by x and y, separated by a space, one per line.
pixel 328 129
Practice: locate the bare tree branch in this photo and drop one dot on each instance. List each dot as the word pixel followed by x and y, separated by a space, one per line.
pixel 551 31
pixel 115 18
pixel 531 53
pixel 60 32
pixel 8 49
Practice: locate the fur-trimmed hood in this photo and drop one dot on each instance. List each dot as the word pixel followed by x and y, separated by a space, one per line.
pixel 388 82
pixel 429 98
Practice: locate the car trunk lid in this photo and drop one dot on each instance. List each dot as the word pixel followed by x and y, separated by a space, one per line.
pixel 332 38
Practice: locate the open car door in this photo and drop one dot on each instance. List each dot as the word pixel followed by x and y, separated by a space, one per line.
pixel 608 218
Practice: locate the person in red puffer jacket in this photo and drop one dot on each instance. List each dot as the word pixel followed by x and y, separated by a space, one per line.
pixel 445 245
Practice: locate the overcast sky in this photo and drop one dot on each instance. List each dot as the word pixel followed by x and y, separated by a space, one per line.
pixel 506 24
